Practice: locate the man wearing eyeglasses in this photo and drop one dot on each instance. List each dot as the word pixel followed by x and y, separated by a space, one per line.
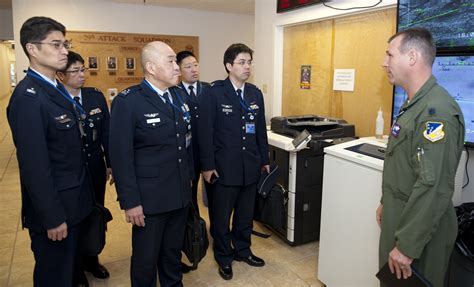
pixel 96 144
pixel 234 149
pixel 55 186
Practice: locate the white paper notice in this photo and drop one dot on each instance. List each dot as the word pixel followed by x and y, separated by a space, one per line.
pixel 344 80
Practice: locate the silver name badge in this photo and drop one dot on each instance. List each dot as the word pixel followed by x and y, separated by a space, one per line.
pixel 151 121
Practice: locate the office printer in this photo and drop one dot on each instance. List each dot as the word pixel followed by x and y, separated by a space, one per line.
pixel 301 171
pixel 319 127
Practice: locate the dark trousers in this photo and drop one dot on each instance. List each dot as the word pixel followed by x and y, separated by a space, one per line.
pixel 56 262
pixel 241 200
pixel 194 189
pixel 97 171
pixel 158 246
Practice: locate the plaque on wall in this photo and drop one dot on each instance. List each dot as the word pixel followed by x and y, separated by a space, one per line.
pixel 113 59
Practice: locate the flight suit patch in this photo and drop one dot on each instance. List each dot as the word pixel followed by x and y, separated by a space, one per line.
pixel 434 131
pixel 396 128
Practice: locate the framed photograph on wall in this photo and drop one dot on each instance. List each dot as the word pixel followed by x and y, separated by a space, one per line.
pixel 93 63
pixel 129 64
pixel 112 63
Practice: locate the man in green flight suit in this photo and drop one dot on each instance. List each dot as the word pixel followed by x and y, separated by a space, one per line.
pixel 416 215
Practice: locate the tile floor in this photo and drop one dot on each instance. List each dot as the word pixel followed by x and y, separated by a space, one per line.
pixel 285 265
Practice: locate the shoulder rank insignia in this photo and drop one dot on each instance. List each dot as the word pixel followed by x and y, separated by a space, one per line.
pixel 434 131
pixel 31 90
pixel 125 92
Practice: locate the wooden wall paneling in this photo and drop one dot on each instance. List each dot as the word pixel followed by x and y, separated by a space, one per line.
pixel 360 43
pixel 121 46
pixel 354 42
pixel 309 44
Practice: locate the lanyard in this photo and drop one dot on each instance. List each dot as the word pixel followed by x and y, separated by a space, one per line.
pixel 186 115
pixel 82 112
pixel 246 107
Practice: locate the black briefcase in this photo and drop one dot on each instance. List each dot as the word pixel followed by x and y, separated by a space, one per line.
pixel 94 228
pixel 196 241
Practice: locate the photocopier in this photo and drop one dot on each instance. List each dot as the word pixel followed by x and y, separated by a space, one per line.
pixel 301 170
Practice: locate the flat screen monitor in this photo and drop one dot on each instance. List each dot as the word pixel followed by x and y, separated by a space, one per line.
pixel 456 75
pixel 450 21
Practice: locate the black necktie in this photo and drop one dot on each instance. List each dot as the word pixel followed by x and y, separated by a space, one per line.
pixel 239 93
pixel 167 98
pixel 191 92
pixel 77 100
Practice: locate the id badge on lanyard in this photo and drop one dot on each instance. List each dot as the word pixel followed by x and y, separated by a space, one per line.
pixel 250 128
pixel 189 137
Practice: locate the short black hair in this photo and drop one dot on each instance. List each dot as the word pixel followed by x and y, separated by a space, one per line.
pixel 36 29
pixel 183 55
pixel 233 51
pixel 419 38
pixel 73 57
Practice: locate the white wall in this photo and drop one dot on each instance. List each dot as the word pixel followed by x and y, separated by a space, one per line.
pixel 6 24
pixel 269 51
pixel 216 31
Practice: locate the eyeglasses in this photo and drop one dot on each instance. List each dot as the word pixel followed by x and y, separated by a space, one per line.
pixel 243 62
pixel 57 44
pixel 76 71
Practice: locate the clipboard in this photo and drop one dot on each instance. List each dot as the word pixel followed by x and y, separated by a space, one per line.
pixel 390 280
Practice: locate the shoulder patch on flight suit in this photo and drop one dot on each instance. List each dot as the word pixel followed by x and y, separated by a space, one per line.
pixel 434 131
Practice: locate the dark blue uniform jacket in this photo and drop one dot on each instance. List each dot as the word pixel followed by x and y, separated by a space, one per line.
pixel 195 109
pixel 96 124
pixel 152 165
pixel 55 185
pixel 224 143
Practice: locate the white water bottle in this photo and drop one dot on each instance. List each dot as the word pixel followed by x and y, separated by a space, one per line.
pixel 379 125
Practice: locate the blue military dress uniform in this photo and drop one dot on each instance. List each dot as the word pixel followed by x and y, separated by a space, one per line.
pixel 55 185
pixel 233 141
pixel 151 157
pixel 96 127
pixel 96 143
pixel 194 102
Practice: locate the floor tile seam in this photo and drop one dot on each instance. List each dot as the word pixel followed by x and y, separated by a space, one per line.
pixel 13 253
pixel 6 167
pixel 301 258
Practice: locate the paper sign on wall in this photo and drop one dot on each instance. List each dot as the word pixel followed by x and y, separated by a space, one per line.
pixel 344 80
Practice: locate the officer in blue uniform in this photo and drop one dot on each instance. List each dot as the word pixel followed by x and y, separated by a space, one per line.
pixel 46 128
pixel 96 142
pixel 193 89
pixel 233 148
pixel 151 156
